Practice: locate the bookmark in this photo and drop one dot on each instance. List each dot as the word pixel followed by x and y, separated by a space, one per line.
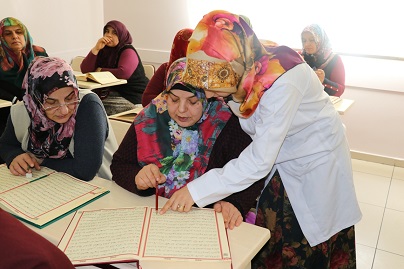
pixel 157 198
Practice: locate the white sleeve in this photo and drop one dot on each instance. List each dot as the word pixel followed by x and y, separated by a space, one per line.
pixel 269 126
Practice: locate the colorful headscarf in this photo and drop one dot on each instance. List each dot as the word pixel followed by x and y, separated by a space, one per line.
pixel 324 52
pixel 7 56
pixel 47 139
pixel 179 47
pixel 182 154
pixel 108 56
pixel 224 54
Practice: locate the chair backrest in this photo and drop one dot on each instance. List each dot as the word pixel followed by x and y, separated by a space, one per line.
pixel 120 128
pixel 75 63
pixel 149 70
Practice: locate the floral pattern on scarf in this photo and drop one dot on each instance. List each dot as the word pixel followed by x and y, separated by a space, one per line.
pixel 222 35
pixel 48 139
pixel 182 154
pixel 180 45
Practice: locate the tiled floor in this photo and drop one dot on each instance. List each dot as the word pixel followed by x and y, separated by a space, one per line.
pixel 380 233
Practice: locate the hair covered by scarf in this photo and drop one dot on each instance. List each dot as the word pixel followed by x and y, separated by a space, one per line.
pixel 225 55
pixel 324 49
pixel 181 154
pixel 179 46
pixel 7 56
pixel 45 75
pixel 108 56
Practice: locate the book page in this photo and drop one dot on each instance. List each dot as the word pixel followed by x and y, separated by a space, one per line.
pixel 81 76
pixel 192 235
pixel 39 197
pixel 103 234
pixel 9 181
pixel 102 77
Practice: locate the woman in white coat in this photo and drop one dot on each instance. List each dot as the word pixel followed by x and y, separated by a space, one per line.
pixel 309 201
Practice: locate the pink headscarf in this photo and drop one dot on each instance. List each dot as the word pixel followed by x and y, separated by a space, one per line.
pixel 45 75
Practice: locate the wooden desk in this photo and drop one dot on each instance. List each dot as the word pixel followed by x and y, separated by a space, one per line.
pixel 343 105
pixel 245 241
pixel 5 103
pixel 340 104
pixel 127 116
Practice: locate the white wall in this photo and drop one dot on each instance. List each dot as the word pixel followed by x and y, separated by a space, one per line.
pixel 375 122
pixel 62 28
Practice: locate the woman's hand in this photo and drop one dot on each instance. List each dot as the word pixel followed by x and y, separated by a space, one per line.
pixel 231 215
pixel 148 176
pixel 321 75
pixel 180 201
pixel 23 164
pixel 100 44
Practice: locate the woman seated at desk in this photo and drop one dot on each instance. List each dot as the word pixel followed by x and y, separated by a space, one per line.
pixel 194 135
pixel 57 126
pixel 114 53
pixel 328 66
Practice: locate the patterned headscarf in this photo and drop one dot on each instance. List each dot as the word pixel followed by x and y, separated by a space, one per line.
pixel 45 75
pixel 7 56
pixel 324 52
pixel 225 55
pixel 108 56
pixel 182 154
pixel 180 45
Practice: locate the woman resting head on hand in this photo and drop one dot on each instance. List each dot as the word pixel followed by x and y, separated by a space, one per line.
pixel 114 52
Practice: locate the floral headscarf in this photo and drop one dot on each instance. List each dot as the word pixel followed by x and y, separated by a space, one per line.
pixel 224 54
pixel 324 52
pixel 47 139
pixel 108 56
pixel 182 154
pixel 7 56
pixel 180 45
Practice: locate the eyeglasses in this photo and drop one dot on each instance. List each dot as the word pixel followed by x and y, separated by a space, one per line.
pixel 53 108
pixel 56 107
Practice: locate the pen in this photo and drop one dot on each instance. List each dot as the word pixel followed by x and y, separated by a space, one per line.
pixel 157 198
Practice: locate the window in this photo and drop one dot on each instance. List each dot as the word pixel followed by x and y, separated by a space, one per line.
pixel 353 26
pixel 365 33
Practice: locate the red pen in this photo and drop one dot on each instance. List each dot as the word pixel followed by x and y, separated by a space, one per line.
pixel 157 198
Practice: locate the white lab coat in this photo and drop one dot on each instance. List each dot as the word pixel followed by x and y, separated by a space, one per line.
pixel 295 130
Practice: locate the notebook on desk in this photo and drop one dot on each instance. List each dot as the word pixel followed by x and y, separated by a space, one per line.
pixel 334 99
pixel 46 196
pixel 196 239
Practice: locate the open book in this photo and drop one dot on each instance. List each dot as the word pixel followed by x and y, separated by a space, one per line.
pixel 196 239
pixel 103 77
pixel 46 197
